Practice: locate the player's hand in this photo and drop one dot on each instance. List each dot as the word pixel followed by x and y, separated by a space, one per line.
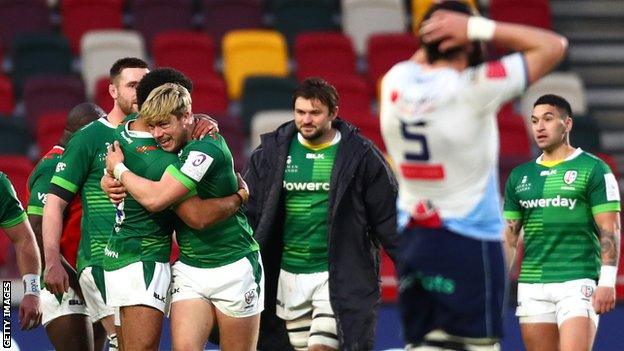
pixel 29 312
pixel 604 299
pixel 113 188
pixel 56 279
pixel 114 157
pixel 204 124
pixel 448 27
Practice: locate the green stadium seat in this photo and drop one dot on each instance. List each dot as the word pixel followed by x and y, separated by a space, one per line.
pixel 263 93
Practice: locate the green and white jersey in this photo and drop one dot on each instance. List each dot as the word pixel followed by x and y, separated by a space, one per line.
pixel 556 205
pixel 11 210
pixel 306 187
pixel 39 180
pixel 80 169
pixel 138 234
pixel 206 166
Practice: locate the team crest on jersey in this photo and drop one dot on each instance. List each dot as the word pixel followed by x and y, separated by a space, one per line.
pixel 587 290
pixel 249 296
pixel 570 176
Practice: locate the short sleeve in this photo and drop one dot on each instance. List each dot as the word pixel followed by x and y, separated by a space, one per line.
pixel 73 167
pixel 603 190
pixel 11 210
pixel 39 191
pixel 494 82
pixel 511 207
pixel 196 161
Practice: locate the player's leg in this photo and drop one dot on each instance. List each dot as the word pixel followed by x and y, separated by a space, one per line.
pixel 540 336
pixel 93 288
pixel 299 332
pixel 139 290
pixel 294 306
pixel 536 312
pixel 323 331
pixel 192 315
pixel 238 333
pixel 66 312
pixel 576 317
pixel 99 336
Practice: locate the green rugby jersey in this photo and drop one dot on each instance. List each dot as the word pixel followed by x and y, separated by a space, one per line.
pixel 80 169
pixel 39 180
pixel 11 210
pixel 556 205
pixel 206 166
pixel 139 235
pixel 306 185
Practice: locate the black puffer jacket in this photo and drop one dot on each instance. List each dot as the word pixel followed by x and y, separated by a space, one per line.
pixel 362 203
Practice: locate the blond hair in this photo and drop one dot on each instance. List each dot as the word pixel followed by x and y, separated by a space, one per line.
pixel 164 101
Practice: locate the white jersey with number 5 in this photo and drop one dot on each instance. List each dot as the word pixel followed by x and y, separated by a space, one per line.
pixel 439 127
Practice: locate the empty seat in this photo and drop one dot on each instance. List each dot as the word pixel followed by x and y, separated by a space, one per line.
pixel 354 98
pixel 100 49
pixel 50 93
pixel 534 13
pixel 222 16
pixel 567 85
pixel 18 169
pixel 265 93
pixel 102 97
pixel 361 18
pixel 513 135
pixel 14 136
pixel 210 95
pixel 385 50
pixel 36 54
pixel 252 52
pixel 12 19
pixel 7 100
pixel 192 53
pixel 296 16
pixel 369 127
pixel 49 129
pixel 337 54
pixel 267 121
pixel 80 16
pixel 420 8
pixel 156 16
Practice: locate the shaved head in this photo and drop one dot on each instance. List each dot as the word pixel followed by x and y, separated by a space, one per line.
pixel 83 114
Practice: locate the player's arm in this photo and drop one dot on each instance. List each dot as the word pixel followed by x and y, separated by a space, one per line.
pixel 56 278
pixel 155 196
pixel 200 214
pixel 542 49
pixel 608 224
pixel 511 237
pixel 29 264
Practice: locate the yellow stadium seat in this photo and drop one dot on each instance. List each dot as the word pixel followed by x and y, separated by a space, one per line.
pixel 252 52
pixel 420 7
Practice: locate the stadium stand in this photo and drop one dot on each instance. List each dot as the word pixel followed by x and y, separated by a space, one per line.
pixel 384 50
pixel 292 17
pixel 151 17
pixel 210 95
pixel 222 16
pixel 419 8
pixel 338 54
pixel 7 99
pixel 50 93
pixel 102 97
pixel 18 168
pixel 12 18
pixel 81 16
pixel 265 93
pixel 15 137
pixel 265 122
pixel 50 126
pixel 193 53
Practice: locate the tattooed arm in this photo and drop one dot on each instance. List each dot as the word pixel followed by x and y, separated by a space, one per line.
pixel 512 234
pixel 608 224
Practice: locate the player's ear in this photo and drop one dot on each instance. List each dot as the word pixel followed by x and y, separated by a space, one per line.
pixel 334 114
pixel 568 124
pixel 112 90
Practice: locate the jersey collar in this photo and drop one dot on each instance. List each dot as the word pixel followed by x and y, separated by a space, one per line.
pixel 305 143
pixel 105 122
pixel 136 133
pixel 572 156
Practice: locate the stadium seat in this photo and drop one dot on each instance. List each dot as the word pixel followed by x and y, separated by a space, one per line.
pixel 49 129
pixel 296 16
pixel 7 100
pixel 514 139
pixel 337 49
pixel 50 93
pixel 265 122
pixel 420 7
pixel 13 22
pixel 585 134
pixel 100 49
pixel 222 16
pixel 102 97
pixel 210 95
pixel 362 18
pixel 31 50
pixel 193 53
pixel 534 13
pixel 81 16
pixel 385 50
pixel 355 102
pixel 17 168
pixel 250 52
pixel 156 16
pixel 370 128
pixel 265 93
pixel 15 138
pixel 565 84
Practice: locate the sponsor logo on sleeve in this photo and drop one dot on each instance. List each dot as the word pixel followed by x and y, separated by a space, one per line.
pixel 611 186
pixel 196 165
pixel 495 70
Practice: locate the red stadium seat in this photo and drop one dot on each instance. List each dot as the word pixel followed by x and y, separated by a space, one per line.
pixel 222 16
pixel 355 102
pixel 81 16
pixel 7 100
pixel 370 128
pixel 210 95
pixel 102 96
pixel 318 53
pixel 384 50
pixel 192 53
pixel 13 21
pixel 152 17
pixel 514 139
pixel 17 168
pixel 50 127
pixel 49 93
